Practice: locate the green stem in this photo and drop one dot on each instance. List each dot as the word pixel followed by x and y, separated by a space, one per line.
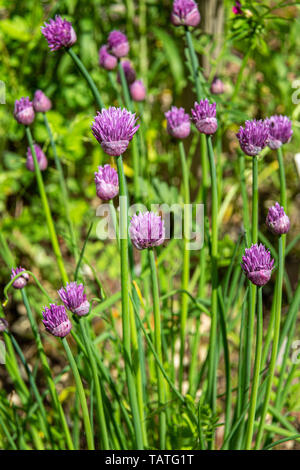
pixel 158 348
pixel 272 366
pixel 87 76
pixel 82 398
pixel 47 210
pixel 195 65
pixel 283 199
pixel 240 75
pixel 246 218
pixel 211 391
pixel 63 188
pixel 256 372
pixel 186 259
pixel 99 400
pixel 125 302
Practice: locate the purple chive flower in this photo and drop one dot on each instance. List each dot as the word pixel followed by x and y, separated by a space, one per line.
pixel 114 128
pixel 137 90
pixel 257 264
pixel 118 44
pixel 107 182
pixel 185 13
pixel 237 10
pixel 280 131
pixel 22 280
pixel 277 220
pixel 146 230
pixel 74 299
pixel 254 137
pixel 41 102
pixel 178 123
pixel 3 324
pixel 204 117
pixel 56 320
pixel 129 72
pixel 217 86
pixel 106 60
pixel 24 112
pixel 59 33
pixel 41 158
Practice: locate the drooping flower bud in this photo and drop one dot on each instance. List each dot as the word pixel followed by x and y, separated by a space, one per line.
pixel 107 182
pixel 185 13
pixel 129 72
pixel 178 123
pixel 257 264
pixel 74 299
pixel 41 102
pixel 114 128
pixel 24 112
pixel 107 60
pixel 56 320
pixel 204 117
pixel 118 44
pixel 41 158
pixel 254 137
pixel 277 220
pixel 137 90
pixel 146 230
pixel 22 280
pixel 217 86
pixel 59 33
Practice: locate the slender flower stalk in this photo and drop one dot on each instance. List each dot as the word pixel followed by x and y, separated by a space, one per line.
pixel 63 188
pixel 47 211
pixel 256 372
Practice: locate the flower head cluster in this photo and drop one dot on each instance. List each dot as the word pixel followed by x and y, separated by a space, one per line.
pixel 237 9
pixel 114 128
pixel 257 264
pixel 217 86
pixel 253 137
pixel 204 117
pixel 22 280
pixel 41 102
pixel 118 44
pixel 107 60
pixel 129 72
pixel 137 90
pixel 185 13
pixel 59 33
pixel 146 230
pixel 280 131
pixel 277 220
pixel 41 158
pixel 74 299
pixel 107 182
pixel 23 111
pixel 56 320
pixel 178 123
pixel 3 324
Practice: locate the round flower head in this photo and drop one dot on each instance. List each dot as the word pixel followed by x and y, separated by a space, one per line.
pixel 185 13
pixel 217 86
pixel 137 90
pixel 237 10
pixel 106 60
pixel 118 44
pixel 204 117
pixel 24 112
pixel 178 123
pixel 74 299
pixel 56 320
pixel 257 264
pixel 114 128
pixel 59 33
pixel 254 137
pixel 41 158
pixel 22 280
pixel 3 324
pixel 280 131
pixel 146 230
pixel 107 182
pixel 129 72
pixel 277 220
pixel 41 102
